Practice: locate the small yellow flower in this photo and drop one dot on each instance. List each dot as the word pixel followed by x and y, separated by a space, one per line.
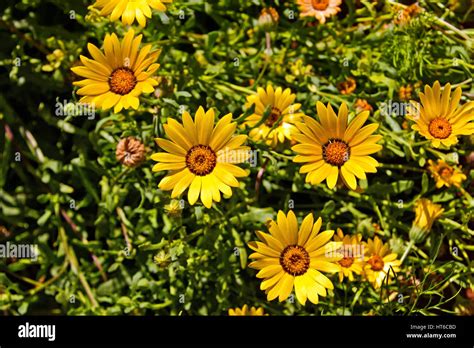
pixel 380 262
pixel 426 212
pixel 445 175
pixel 333 148
pixel 174 208
pixel 162 259
pixel 352 250
pixel 439 118
pixel 281 114
pixel 54 60
pixel 290 258
pixel 118 77
pixel 130 9
pixel 246 311
pixel 320 9
pixel 298 70
pixel 200 157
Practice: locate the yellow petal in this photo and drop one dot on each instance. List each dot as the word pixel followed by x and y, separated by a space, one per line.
pixel 332 177
pixel 206 191
pixel 348 178
pixel 286 286
pixel 194 190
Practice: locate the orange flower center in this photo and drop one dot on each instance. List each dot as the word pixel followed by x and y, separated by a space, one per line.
pixel 376 263
pixel 440 128
pixel 336 152
pixel 201 160
pixel 122 81
pixel 273 117
pixel 295 260
pixel 446 172
pixel 346 262
pixel 320 5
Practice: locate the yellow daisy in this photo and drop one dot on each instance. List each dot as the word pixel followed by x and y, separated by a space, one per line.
pixel 246 311
pixel 130 9
pixel 200 156
pixel 289 258
pixel 118 77
pixel 281 114
pixel 438 117
pixel 445 175
pixel 352 250
pixel 332 148
pixel 320 9
pixel 379 259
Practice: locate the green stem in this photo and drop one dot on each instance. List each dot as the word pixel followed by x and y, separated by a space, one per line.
pixel 51 280
pixel 457 225
pixel 237 88
pixel 400 167
pixel 407 250
pixel 467 195
pixel 327 95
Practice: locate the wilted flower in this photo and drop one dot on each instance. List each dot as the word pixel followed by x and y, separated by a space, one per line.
pixel 363 105
pixel 268 18
pixel 4 232
pixel 348 86
pixel 470 294
pixel 130 152
pixel 409 12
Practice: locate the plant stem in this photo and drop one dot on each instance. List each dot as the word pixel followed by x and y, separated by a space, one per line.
pixel 400 167
pixel 259 180
pixel 407 250
pixel 120 213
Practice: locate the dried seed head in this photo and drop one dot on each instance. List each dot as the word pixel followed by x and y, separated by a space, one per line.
pixel 4 232
pixel 130 152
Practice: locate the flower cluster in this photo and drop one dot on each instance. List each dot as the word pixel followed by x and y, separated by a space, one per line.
pixel 203 154
pixel 296 258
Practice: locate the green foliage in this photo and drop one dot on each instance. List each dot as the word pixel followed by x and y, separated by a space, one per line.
pixel 108 242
